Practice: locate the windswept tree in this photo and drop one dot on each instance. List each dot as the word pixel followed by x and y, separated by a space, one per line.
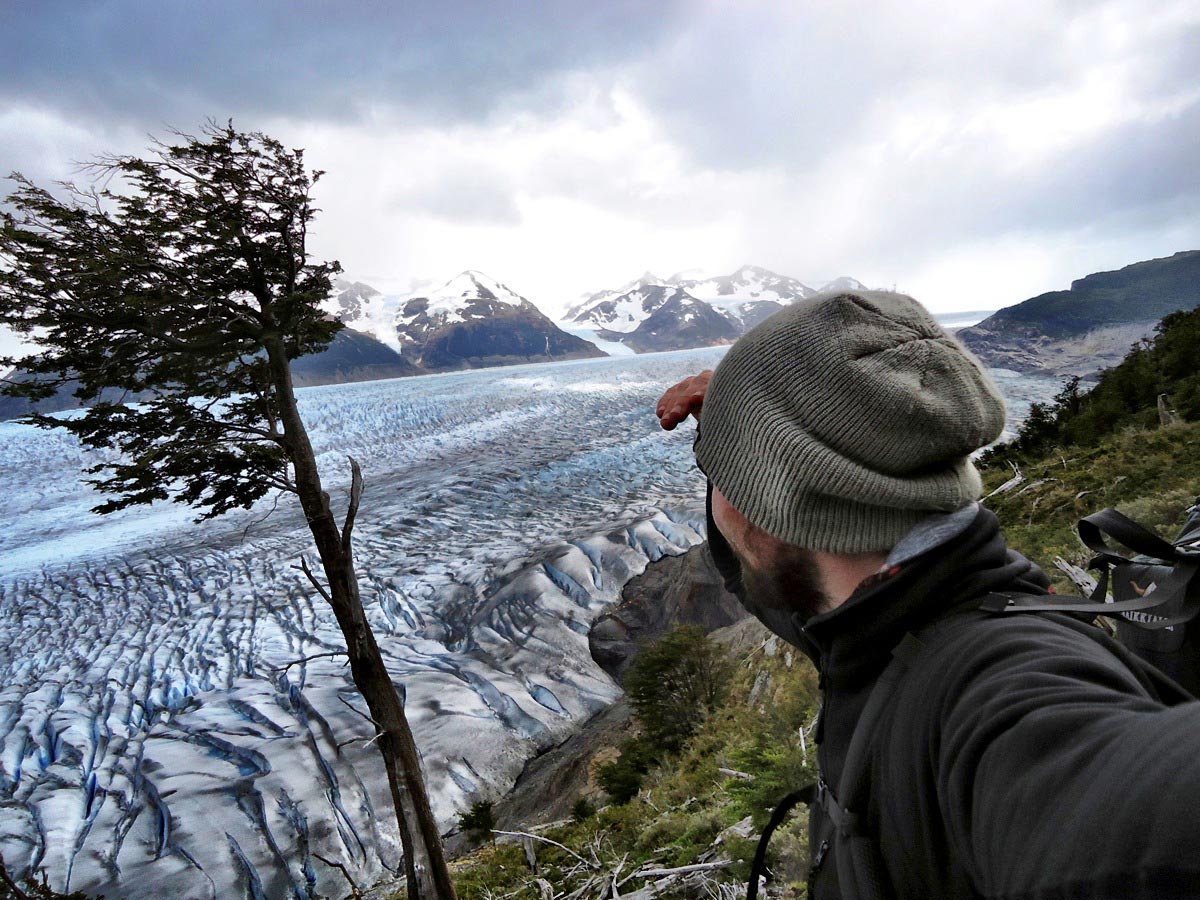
pixel 182 279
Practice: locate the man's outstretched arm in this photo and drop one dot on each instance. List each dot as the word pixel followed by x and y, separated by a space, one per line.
pixel 1056 774
pixel 682 400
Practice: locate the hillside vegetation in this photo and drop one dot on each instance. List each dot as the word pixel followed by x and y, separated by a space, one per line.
pixel 684 809
pixel 1126 396
pixel 706 802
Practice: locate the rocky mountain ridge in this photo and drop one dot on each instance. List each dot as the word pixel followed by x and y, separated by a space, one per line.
pixel 470 321
pixel 1092 325
pixel 686 310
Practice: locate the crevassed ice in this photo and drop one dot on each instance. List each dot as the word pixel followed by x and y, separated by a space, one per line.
pixel 152 742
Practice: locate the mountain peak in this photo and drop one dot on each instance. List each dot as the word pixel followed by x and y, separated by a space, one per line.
pixel 754 270
pixel 844 283
pixel 475 285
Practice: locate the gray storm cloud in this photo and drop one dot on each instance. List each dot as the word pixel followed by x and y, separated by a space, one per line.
pixel 179 62
pixel 808 136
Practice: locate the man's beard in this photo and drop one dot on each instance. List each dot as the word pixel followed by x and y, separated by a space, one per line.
pixel 787 581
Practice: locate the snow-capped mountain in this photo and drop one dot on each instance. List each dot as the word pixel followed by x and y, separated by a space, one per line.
pixel 622 311
pixel 470 321
pixel 845 283
pixel 678 321
pixel 582 312
pixel 742 299
pixel 364 309
pixel 749 295
pixel 649 315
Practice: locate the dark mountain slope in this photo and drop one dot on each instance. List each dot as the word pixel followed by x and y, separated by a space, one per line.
pixel 1092 325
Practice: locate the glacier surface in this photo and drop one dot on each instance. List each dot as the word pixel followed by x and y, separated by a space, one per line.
pixel 157 734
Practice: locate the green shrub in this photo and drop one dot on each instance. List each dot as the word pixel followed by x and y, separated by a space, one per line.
pixel 675 684
pixel 583 810
pixel 1125 395
pixel 477 822
pixel 622 778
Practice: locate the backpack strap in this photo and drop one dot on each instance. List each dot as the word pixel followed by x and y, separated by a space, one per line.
pixel 808 795
pixel 1125 531
pixel 1175 590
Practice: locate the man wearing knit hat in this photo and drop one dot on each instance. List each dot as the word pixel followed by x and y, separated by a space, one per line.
pixel 1018 755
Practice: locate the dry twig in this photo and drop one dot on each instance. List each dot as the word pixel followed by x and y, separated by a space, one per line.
pixel 354 889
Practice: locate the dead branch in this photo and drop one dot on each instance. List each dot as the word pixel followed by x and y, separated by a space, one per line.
pixel 1080 578
pixel 584 891
pixel 9 883
pixel 305 659
pixel 358 711
pixel 1166 415
pixel 682 870
pixel 1017 479
pixel 355 892
pixel 303 567
pixel 356 489
pixel 1034 484
pixel 544 840
pixel 734 773
pixel 369 742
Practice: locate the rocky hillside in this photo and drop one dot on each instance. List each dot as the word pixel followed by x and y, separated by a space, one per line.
pixel 1092 325
pixel 675 590
pixel 353 356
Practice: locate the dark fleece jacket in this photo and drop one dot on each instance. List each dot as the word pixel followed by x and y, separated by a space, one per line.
pixel 1026 756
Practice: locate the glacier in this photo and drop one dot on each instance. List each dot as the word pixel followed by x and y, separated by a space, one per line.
pixel 174 717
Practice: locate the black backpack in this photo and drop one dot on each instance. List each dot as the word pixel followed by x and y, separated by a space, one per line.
pixel 1155 592
pixel 1155 600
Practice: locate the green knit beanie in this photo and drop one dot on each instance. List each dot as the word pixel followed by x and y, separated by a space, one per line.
pixel 843 420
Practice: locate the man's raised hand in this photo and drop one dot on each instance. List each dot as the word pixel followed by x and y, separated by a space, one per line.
pixel 682 399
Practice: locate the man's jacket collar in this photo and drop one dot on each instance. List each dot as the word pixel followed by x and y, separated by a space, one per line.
pixel 946 562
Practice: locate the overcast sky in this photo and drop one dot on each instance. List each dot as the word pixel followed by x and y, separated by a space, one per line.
pixel 972 154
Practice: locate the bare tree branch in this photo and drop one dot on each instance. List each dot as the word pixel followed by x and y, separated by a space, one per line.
pixel 358 711
pixel 544 840
pixel 356 489
pixel 355 891
pixel 305 659
pixel 10 884
pixel 303 567
pixel 681 870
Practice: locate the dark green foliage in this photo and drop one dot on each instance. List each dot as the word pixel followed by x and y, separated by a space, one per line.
pixel 622 778
pixel 172 281
pixel 673 685
pixel 478 821
pixel 684 800
pixel 1125 396
pixel 582 810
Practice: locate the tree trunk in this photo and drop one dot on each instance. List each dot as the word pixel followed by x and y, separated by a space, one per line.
pixel 427 875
